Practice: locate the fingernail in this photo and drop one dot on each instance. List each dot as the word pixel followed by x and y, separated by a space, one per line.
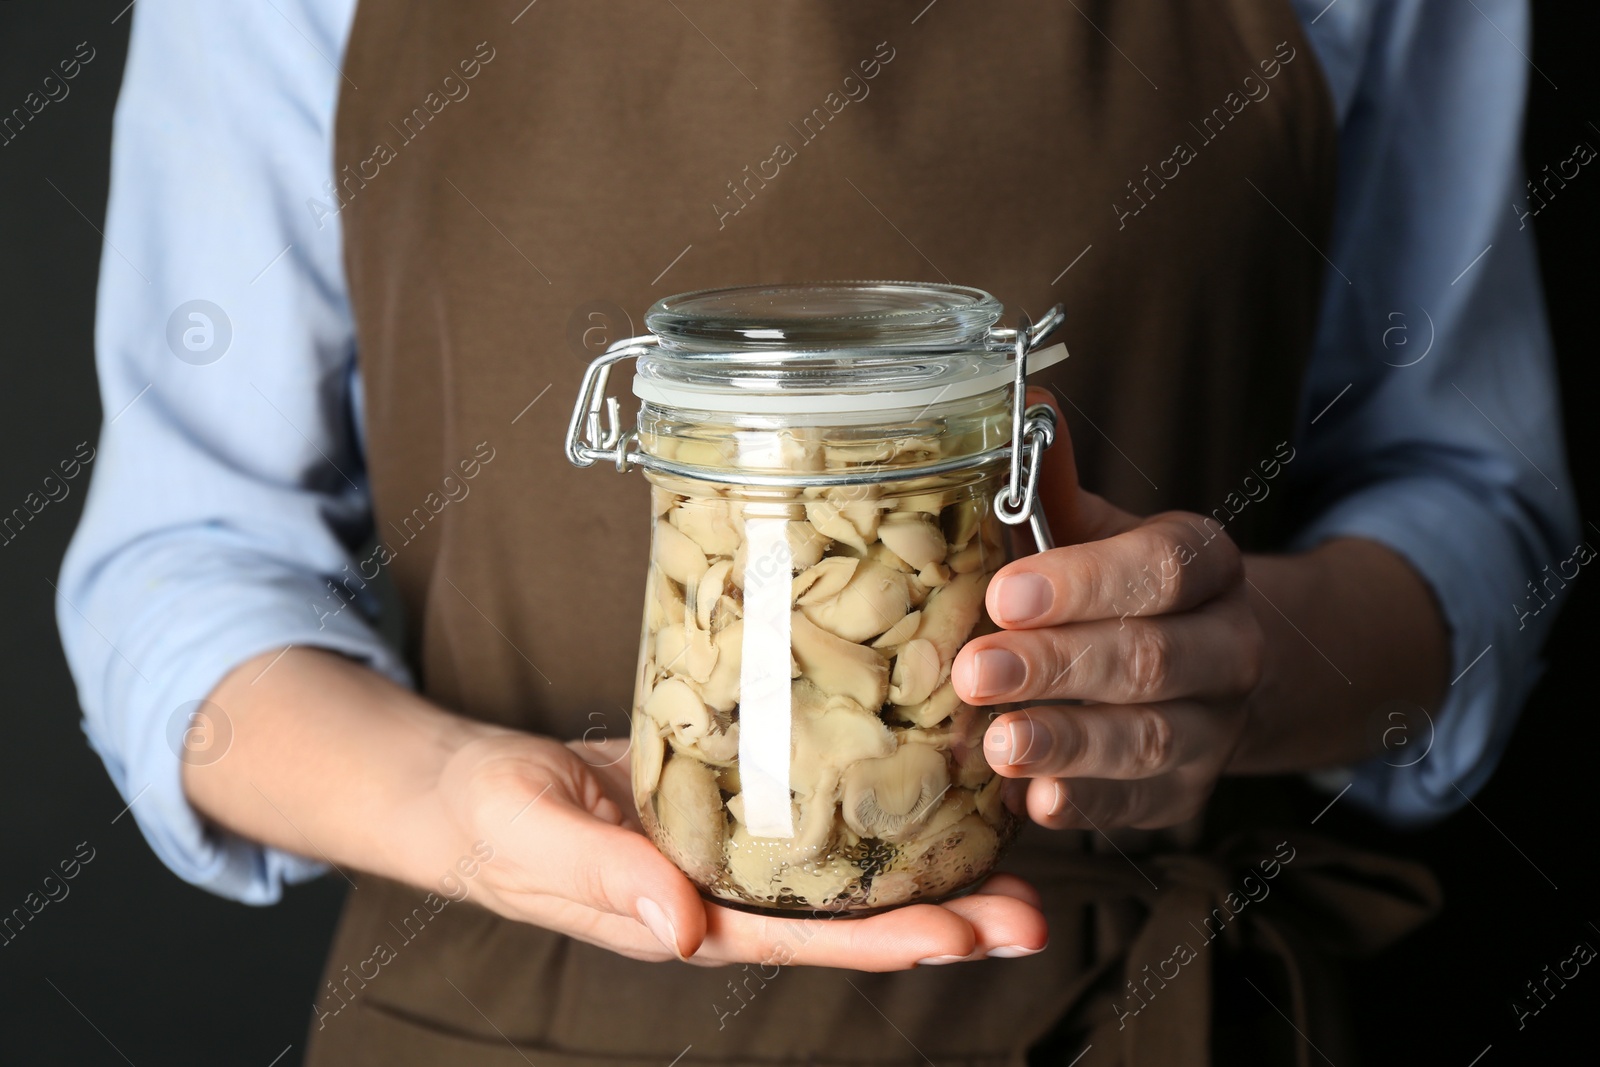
pixel 1058 802
pixel 996 671
pixel 655 919
pixel 1022 597
pixel 1011 952
pixel 939 961
pixel 1015 743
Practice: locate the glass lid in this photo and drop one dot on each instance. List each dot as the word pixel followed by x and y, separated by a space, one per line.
pixel 810 318
pixel 826 347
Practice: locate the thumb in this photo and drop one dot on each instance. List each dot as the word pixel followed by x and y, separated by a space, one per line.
pixel 612 869
pixel 1075 514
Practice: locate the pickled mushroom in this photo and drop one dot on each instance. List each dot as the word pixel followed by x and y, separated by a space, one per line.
pixel 762 868
pixel 898 634
pixel 914 539
pixel 812 818
pixel 720 690
pixel 663 601
pixel 706 522
pixel 940 705
pixel 669 644
pixel 677 555
pixel 690 814
pixel 916 671
pixel 648 752
pixel 838 667
pixel 699 653
pixel 954 856
pixel 961 521
pixel 890 798
pixel 951 612
pixel 990 802
pixel 678 708
pixel 708 592
pixel 969 559
pixel 718 746
pixel 806 546
pixel 830 734
pixel 966 730
pixel 824 580
pixel 830 522
pixel 872 599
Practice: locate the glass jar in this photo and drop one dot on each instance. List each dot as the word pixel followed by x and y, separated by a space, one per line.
pixel 835 470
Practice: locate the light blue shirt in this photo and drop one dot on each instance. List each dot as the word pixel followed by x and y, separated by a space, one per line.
pixel 228 484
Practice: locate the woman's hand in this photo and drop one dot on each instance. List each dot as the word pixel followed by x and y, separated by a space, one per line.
pixel 1146 622
pixel 569 856
pixel 329 759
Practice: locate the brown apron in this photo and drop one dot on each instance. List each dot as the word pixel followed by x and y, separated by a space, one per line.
pixel 504 173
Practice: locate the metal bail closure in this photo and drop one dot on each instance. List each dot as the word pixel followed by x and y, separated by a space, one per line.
pixel 587 439
pixel 1033 429
pixel 595 432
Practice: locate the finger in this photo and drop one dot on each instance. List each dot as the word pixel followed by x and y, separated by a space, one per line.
pixel 1212 652
pixel 574 849
pixel 1009 885
pixel 969 928
pixel 1102 740
pixel 893 941
pixel 1098 804
pixel 1006 927
pixel 614 933
pixel 1162 566
pixel 1074 514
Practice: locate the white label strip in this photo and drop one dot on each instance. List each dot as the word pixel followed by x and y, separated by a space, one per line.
pixel 764 709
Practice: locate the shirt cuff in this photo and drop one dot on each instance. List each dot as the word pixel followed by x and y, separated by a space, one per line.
pixel 1470 558
pixel 183 665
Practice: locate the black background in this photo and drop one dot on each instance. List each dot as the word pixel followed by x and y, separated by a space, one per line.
pixel 167 973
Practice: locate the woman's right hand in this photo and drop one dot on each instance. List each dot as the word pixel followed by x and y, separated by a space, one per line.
pixel 569 855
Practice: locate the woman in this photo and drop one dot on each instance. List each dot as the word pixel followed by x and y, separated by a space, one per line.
pixel 1287 188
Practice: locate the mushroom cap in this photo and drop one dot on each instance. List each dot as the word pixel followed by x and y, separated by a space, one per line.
pixel 872 599
pixel 645 760
pixel 890 798
pixel 708 592
pixel 836 666
pixel 940 705
pixel 690 819
pixel 720 690
pixel 830 734
pixel 677 555
pixel 824 580
pixel 914 538
pixel 677 708
pixel 891 639
pixel 951 612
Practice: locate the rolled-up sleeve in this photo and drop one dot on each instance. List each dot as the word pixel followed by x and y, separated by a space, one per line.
pixel 1431 421
pixel 227 490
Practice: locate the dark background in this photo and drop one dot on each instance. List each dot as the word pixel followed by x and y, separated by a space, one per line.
pixel 167 973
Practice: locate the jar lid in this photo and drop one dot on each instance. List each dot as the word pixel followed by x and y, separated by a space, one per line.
pixel 821 317
pixel 827 347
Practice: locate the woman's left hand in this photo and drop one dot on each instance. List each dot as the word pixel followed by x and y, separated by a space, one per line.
pixel 1147 623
